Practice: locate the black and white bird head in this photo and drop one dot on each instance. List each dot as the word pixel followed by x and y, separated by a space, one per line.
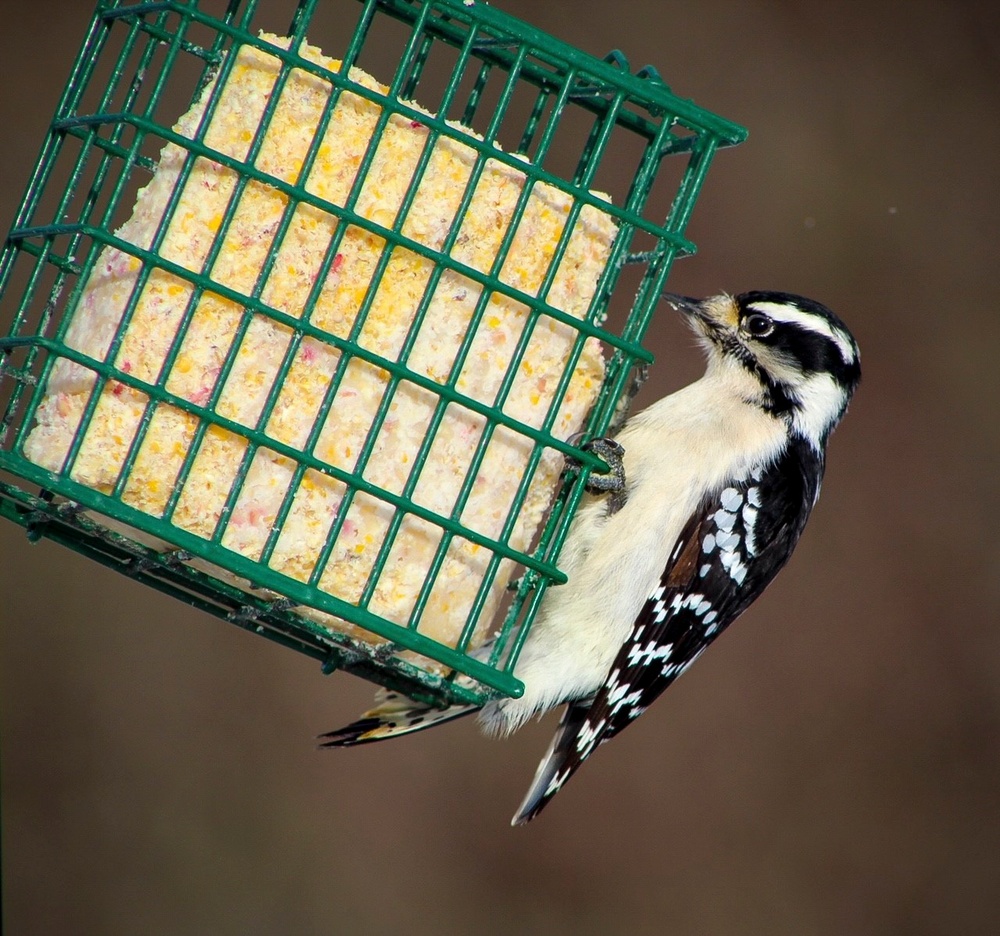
pixel 804 362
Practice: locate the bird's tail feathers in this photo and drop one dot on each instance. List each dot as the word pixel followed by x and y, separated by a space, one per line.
pixel 557 766
pixel 394 715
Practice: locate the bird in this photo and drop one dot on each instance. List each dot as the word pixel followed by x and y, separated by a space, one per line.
pixel 709 490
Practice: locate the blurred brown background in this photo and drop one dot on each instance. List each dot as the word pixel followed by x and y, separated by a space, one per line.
pixel 831 767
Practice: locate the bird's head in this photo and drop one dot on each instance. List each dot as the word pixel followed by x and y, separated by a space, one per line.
pixel 801 355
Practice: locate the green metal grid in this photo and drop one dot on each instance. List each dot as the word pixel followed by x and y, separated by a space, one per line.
pixel 112 120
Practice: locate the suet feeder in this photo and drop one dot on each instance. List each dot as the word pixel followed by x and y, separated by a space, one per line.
pixel 304 349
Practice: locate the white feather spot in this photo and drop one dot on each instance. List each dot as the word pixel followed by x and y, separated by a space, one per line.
pixel 620 701
pixel 750 521
pixel 724 520
pixel 555 784
pixel 650 652
pixel 731 499
pixel 727 540
pixel 588 736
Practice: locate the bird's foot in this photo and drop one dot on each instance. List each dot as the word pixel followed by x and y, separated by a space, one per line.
pixel 613 482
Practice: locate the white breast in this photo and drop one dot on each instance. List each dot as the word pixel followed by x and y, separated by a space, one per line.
pixel 680 448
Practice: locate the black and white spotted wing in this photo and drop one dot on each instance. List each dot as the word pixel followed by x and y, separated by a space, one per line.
pixel 725 557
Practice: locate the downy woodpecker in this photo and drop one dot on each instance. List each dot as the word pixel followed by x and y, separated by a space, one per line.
pixel 719 480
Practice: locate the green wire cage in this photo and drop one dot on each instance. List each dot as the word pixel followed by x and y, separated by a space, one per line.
pixel 147 379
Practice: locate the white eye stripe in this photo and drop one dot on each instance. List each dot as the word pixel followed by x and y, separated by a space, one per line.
pixel 780 312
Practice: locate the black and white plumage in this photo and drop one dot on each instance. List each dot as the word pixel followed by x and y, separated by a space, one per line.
pixel 720 478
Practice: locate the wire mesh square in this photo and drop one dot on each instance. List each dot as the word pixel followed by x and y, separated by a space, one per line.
pixel 304 349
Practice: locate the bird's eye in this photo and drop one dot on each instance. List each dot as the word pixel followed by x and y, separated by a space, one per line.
pixel 758 325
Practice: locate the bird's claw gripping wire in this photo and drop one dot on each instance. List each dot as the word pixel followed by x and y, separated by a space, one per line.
pixel 613 482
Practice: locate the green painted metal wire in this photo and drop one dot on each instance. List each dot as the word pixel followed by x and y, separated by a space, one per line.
pixel 95 158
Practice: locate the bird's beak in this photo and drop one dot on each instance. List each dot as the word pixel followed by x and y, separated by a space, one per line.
pixel 714 315
pixel 683 303
pixel 693 310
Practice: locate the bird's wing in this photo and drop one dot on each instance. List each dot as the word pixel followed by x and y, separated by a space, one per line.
pixel 728 552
